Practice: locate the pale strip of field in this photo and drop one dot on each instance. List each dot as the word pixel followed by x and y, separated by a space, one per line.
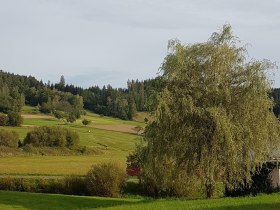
pixel 29 126
pixel 32 176
pixel 119 128
pixel 37 116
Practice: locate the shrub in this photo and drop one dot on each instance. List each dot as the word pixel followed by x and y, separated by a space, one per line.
pixel 14 118
pixel 31 185
pixel 59 114
pixel 52 137
pixel 86 122
pixel 30 149
pixel 72 139
pixel 106 179
pixel 8 138
pixel 74 185
pixel 71 118
pixel 3 119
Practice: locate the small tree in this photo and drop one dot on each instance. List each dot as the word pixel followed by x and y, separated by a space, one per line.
pixel 86 122
pixel 71 117
pixel 59 114
pixel 61 83
pixel 15 118
pixel 3 119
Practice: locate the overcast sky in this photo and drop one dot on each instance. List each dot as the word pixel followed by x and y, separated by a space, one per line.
pixel 97 42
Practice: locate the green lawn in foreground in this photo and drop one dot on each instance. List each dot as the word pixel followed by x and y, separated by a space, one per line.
pixel 31 201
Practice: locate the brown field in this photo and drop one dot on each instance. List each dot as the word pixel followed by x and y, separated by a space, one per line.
pixel 119 128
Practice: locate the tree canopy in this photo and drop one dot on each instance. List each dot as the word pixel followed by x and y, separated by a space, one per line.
pixel 65 101
pixel 214 120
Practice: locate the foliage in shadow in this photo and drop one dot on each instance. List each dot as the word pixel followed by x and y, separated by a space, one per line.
pixel 34 201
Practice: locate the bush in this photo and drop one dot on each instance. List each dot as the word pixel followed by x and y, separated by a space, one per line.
pixel 30 149
pixel 71 185
pixel 72 139
pixel 74 185
pixel 52 137
pixel 3 119
pixel 86 122
pixel 12 184
pixel 8 138
pixel 31 185
pixel 106 179
pixel 71 117
pixel 14 118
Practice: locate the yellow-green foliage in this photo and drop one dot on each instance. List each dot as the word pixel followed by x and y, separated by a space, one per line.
pixel 214 120
pixel 52 137
pixel 15 118
pixel 106 179
pixel 8 138
pixel 3 119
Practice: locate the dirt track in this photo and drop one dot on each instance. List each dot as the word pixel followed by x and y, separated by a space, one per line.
pixel 120 128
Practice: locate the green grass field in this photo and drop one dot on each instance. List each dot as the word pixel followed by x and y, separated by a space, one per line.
pixel 114 145
pixel 55 165
pixel 115 139
pixel 31 201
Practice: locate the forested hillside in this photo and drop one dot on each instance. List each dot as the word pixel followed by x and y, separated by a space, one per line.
pixel 68 101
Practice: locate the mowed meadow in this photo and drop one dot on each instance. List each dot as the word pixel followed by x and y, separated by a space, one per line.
pixel 113 139
pixel 32 201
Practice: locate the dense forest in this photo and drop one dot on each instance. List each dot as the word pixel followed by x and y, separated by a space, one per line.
pixel 69 101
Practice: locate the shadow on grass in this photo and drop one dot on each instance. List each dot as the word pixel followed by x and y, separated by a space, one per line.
pixel 35 201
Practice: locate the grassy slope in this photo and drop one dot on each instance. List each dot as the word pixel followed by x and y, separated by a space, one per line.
pixel 31 201
pixel 115 146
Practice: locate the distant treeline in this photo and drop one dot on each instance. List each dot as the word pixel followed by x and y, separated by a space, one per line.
pixel 17 90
